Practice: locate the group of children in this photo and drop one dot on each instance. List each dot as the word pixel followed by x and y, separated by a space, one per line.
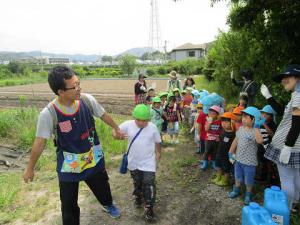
pixel 170 109
pixel 231 141
pixel 234 142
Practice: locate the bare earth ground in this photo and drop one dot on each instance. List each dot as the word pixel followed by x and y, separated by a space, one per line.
pixel 184 196
pixel 116 95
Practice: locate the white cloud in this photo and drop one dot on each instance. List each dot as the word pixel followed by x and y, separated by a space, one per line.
pixel 104 26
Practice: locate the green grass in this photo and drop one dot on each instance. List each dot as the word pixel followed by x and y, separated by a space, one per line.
pixel 18 125
pixel 21 81
pixel 111 147
pixel 212 86
pixel 10 185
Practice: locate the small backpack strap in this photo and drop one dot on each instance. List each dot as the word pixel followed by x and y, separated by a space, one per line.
pixel 52 111
pixel 87 102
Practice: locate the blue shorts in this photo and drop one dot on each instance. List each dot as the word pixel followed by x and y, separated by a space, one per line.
pixel 174 129
pixel 244 173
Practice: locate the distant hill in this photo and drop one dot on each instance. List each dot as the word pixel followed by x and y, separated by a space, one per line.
pixel 138 52
pixel 36 54
pixel 4 55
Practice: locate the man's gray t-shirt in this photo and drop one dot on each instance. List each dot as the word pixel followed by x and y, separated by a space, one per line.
pixel 45 121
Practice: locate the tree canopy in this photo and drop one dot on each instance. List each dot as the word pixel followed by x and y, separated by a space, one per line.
pixel 264 36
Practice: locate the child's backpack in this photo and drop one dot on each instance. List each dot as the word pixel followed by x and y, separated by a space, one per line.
pixel 52 111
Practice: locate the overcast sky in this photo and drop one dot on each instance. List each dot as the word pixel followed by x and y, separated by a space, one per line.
pixel 104 26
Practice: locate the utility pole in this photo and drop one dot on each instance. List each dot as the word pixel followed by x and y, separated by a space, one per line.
pixel 155 33
pixel 165 51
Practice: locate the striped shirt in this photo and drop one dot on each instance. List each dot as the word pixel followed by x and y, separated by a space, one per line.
pixel 284 127
pixel 266 137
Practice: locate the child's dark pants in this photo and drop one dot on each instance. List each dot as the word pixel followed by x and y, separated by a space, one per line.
pixel 211 148
pixel 144 185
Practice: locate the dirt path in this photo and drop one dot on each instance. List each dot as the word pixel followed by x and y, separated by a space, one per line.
pixel 11 159
pixel 184 196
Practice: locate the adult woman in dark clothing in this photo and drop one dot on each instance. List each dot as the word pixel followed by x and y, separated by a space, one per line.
pixel 284 149
pixel 249 87
pixel 140 90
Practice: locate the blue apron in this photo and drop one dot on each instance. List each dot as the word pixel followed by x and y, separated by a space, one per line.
pixel 79 153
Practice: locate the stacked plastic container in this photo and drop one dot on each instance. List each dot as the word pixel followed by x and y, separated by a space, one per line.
pixel 276 202
pixel 254 214
pixel 274 212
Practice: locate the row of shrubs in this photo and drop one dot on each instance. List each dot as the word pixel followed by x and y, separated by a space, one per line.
pixel 185 67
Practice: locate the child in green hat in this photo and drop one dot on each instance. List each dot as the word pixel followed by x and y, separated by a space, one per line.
pixel 143 153
pixel 156 113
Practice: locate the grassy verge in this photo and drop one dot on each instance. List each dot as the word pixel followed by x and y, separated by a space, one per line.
pixel 212 86
pixel 21 81
pixel 18 125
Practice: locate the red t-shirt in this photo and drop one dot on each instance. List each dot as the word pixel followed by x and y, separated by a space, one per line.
pixel 187 100
pixel 213 134
pixel 202 120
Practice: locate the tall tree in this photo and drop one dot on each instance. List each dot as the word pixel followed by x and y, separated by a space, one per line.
pixel 107 58
pixel 127 64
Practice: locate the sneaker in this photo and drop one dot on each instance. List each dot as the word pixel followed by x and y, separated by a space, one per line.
pixel 112 210
pixel 138 203
pixel 149 214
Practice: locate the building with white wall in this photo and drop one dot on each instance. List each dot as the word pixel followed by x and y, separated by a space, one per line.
pixel 189 51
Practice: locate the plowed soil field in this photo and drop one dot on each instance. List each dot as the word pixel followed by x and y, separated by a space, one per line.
pixel 116 95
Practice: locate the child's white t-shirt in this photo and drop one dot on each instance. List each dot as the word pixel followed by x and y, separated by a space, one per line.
pixel 142 151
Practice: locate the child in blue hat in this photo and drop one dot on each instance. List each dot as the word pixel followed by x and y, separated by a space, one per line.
pixel 266 170
pixel 244 146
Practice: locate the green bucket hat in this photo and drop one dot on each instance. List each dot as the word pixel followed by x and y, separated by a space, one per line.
pixel 141 112
pixel 156 99
pixel 161 94
pixel 170 95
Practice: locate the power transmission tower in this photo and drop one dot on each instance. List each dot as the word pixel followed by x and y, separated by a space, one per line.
pixel 155 33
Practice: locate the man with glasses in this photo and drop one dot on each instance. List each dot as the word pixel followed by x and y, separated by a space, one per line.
pixel 79 152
